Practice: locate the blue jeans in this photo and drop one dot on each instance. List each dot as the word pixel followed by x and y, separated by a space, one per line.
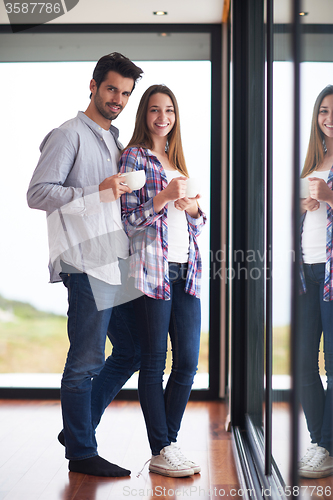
pixel 316 318
pixel 180 316
pixel 89 382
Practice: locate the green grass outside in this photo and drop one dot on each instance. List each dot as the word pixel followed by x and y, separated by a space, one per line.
pixel 281 351
pixel 36 342
pixel 33 345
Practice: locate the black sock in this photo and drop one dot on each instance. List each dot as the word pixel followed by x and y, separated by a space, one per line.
pixel 61 438
pixel 97 466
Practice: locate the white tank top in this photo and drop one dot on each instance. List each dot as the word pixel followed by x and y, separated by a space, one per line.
pixel 314 229
pixel 178 238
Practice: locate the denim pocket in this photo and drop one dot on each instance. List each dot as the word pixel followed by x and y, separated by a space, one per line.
pixel 65 277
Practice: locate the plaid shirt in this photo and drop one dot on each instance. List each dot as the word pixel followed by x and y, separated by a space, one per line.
pixel 148 230
pixel 328 284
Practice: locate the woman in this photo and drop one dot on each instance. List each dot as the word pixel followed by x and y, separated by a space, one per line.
pixel 163 225
pixel 317 279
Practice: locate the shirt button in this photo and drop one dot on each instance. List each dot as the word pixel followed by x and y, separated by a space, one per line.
pixel 108 159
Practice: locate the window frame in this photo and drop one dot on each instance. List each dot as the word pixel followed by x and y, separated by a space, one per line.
pixel 214 30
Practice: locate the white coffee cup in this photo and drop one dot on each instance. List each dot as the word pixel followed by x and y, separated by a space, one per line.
pixel 304 188
pixel 134 180
pixel 192 187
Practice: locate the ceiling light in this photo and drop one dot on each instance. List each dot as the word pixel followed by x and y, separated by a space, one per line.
pixel 160 13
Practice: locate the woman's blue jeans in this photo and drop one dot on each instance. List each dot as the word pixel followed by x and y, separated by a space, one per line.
pixel 181 317
pixel 90 382
pixel 316 318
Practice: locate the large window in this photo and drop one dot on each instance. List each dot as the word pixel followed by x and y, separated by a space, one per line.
pixel 42 95
pixel 314 77
pixel 291 54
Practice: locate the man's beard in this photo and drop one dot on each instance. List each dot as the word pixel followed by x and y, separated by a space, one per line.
pixel 102 109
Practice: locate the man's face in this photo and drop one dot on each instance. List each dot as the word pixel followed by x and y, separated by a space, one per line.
pixel 112 95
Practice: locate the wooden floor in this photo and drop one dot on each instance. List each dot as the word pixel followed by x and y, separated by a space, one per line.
pixel 33 467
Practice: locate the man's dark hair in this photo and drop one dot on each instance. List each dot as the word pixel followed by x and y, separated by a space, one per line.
pixel 118 63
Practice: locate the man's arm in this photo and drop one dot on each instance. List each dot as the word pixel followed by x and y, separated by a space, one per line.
pixel 47 191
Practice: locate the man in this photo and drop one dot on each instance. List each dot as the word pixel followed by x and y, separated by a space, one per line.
pixel 77 184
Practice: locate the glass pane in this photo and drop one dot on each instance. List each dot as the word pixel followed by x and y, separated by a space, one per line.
pixel 282 256
pixel 316 311
pixel 40 97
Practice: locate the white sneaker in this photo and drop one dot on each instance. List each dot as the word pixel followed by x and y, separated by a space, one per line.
pixel 189 463
pixel 310 451
pixel 168 464
pixel 320 465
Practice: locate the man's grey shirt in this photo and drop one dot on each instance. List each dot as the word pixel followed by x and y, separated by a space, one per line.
pixel 82 231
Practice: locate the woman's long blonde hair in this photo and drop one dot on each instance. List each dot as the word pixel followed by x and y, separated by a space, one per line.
pixel 315 154
pixel 142 138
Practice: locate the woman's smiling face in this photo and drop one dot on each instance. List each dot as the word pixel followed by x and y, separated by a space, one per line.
pixel 325 116
pixel 160 115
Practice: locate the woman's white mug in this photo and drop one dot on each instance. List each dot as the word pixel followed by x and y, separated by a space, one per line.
pixel 305 186
pixel 134 180
pixel 192 187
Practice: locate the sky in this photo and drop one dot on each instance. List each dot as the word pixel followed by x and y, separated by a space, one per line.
pixel 38 97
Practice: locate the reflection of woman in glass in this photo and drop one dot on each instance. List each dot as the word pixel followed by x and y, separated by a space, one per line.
pixel 317 282
pixel 163 225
